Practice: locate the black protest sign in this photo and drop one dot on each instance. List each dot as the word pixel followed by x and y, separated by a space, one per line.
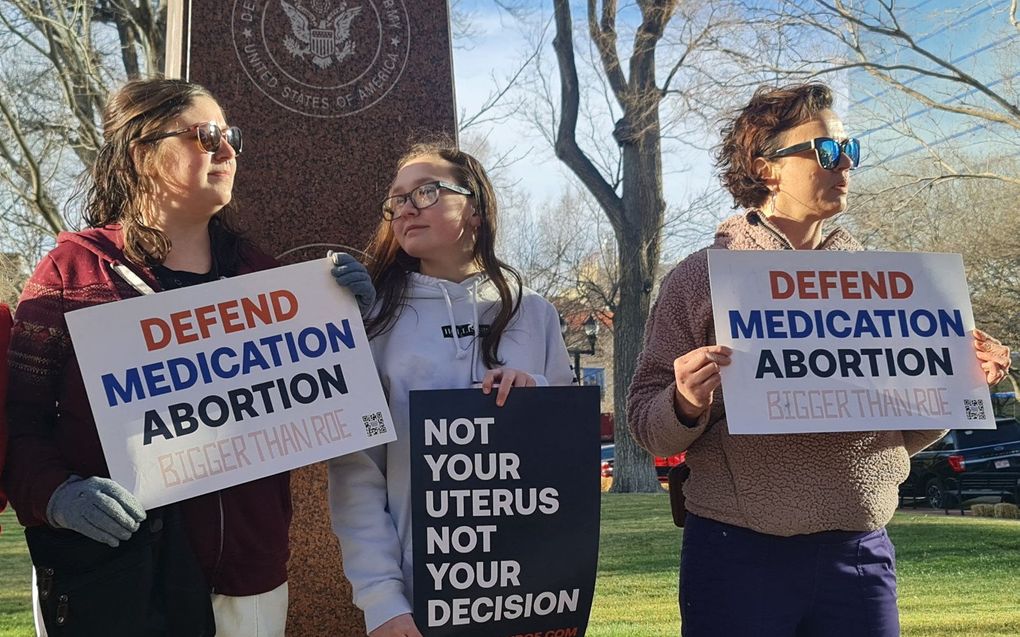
pixel 505 504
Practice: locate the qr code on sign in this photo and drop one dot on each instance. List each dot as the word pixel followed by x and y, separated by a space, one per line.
pixel 974 408
pixel 374 424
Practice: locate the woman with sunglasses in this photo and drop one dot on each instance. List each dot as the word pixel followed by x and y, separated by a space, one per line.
pixel 449 315
pixel 5 338
pixel 157 207
pixel 784 534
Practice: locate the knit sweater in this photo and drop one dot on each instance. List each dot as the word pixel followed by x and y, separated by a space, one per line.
pixel 5 339
pixel 780 484
pixel 239 534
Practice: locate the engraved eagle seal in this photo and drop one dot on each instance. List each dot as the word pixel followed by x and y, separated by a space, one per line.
pixel 323 32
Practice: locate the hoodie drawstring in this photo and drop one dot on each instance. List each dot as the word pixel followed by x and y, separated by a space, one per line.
pixel 458 353
pixel 474 309
pixel 478 326
pixel 131 278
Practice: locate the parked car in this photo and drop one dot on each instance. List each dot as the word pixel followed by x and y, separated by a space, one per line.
pixel 970 462
pixel 606 427
pixel 608 453
pixel 662 465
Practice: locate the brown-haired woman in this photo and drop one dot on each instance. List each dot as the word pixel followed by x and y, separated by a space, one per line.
pixel 784 535
pixel 449 315
pixel 5 339
pixel 157 207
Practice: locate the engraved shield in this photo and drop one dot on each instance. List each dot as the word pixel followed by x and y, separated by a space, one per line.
pixel 323 42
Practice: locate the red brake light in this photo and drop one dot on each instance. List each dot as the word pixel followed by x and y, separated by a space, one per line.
pixel 957 464
pixel 671 461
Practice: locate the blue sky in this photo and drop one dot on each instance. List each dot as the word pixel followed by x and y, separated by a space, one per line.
pixel 974 34
pixel 497 50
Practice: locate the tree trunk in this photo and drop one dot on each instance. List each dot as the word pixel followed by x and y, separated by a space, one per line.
pixel 638 241
pixel 633 469
pixel 637 215
pixel 128 44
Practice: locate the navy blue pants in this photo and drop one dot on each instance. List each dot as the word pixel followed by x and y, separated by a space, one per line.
pixel 735 582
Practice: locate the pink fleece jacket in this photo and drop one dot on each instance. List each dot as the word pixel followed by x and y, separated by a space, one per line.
pixel 777 484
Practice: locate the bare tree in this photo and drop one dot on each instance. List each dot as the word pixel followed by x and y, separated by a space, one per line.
pixel 626 178
pixel 61 59
pixel 913 86
pixel 975 218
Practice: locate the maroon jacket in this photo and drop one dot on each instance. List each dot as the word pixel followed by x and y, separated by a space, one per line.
pixel 5 339
pixel 240 534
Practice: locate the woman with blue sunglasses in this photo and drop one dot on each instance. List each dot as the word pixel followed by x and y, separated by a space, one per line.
pixel 784 535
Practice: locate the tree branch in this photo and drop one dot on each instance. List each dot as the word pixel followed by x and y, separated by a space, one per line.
pixel 495 98
pixel 603 34
pixel 566 146
pixel 899 34
pixel 29 170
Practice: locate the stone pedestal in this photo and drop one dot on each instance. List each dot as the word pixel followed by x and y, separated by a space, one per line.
pixel 329 93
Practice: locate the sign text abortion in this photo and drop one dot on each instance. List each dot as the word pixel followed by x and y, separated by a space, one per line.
pixel 837 341
pixel 230 381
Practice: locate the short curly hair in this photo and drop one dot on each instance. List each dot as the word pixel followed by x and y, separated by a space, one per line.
pixel 754 130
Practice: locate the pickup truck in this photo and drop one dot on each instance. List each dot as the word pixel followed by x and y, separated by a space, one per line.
pixel 968 463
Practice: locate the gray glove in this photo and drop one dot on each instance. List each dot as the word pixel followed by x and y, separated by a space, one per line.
pixel 98 508
pixel 349 273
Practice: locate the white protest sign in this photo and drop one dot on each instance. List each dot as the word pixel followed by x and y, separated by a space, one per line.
pixel 846 341
pixel 202 388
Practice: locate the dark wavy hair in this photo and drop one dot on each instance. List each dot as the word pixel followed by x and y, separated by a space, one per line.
pixel 390 265
pixel 115 185
pixel 754 131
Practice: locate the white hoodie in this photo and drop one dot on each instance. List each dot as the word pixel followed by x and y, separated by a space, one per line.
pixel 370 491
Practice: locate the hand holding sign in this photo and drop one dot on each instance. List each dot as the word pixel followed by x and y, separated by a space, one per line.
pixel 98 508
pixel 506 378
pixel 697 377
pixel 351 274
pixel 994 357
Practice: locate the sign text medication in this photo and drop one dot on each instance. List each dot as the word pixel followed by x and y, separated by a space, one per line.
pixel 830 341
pixel 229 381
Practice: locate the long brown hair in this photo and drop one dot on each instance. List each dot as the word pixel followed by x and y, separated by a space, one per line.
pixel 118 180
pixel 389 265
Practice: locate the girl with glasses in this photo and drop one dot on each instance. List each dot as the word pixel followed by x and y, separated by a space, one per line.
pixel 449 315
pixel 784 535
pixel 157 207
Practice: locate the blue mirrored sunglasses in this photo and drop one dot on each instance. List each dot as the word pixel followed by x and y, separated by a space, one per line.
pixel 828 151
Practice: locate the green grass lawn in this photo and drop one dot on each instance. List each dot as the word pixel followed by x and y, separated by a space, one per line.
pixel 957 576
pixel 15 580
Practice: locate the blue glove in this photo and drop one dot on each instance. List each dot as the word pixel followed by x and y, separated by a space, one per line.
pixel 98 508
pixel 349 273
